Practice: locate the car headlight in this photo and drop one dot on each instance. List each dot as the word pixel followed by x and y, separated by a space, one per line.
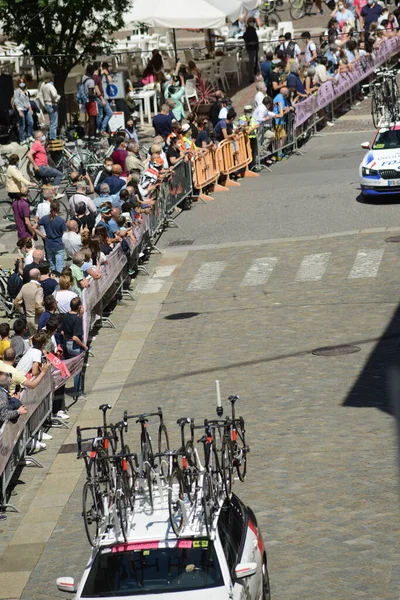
pixel 365 171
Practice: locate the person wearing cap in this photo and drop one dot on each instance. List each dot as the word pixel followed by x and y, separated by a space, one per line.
pixel 187 137
pixel 225 106
pixel 247 120
pixel 216 107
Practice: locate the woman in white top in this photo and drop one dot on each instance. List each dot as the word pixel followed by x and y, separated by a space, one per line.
pixel 64 295
pixel 15 181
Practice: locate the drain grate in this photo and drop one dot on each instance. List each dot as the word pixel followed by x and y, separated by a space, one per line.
pixel 181 243
pixel 395 239
pixel 336 350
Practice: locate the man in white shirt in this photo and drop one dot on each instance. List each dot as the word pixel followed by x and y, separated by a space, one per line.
pixel 291 48
pixel 43 208
pixel 260 94
pixel 51 99
pixel 32 359
pixel 71 239
pixel 310 51
pixel 81 196
pixel 263 116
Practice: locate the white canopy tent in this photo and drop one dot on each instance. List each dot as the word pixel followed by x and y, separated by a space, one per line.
pixel 177 14
pixel 234 8
pixel 187 14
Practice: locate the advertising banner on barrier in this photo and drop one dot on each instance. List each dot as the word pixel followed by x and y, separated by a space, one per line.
pixel 331 90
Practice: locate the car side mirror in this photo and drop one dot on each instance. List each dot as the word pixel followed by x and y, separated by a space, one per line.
pixel 66 584
pixel 365 145
pixel 243 570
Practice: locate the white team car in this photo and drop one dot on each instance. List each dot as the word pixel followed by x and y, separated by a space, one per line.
pixel 154 564
pixel 380 168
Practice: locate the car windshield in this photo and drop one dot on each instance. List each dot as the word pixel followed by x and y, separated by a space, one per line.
pixel 387 139
pixel 123 571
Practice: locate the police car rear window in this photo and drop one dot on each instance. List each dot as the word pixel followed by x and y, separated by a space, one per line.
pixel 129 569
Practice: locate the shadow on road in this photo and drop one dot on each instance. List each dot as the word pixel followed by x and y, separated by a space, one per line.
pixel 371 388
pixel 381 200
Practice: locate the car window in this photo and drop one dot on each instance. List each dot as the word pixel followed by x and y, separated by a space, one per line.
pixel 387 139
pixel 231 529
pixel 122 571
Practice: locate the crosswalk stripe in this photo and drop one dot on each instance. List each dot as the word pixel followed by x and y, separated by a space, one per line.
pixel 366 264
pixel 164 271
pixel 206 276
pixel 313 267
pixel 260 270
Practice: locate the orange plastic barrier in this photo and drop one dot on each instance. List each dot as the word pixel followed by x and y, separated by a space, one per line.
pixel 235 155
pixel 206 172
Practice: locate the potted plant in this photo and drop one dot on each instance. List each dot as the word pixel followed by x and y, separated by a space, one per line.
pixel 205 96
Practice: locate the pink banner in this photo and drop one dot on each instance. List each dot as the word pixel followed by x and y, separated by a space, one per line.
pixel 332 90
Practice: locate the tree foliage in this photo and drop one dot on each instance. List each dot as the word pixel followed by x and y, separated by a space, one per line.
pixel 61 33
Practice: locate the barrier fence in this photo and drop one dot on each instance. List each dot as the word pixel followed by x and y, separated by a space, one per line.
pixel 206 171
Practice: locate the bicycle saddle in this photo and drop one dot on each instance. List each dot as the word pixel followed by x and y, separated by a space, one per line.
pixel 183 421
pixel 104 407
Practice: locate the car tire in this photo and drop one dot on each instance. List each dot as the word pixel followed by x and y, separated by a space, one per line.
pixel 266 588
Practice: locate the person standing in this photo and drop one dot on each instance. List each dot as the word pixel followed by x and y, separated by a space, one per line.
pixel 22 105
pixel 54 226
pixel 370 13
pixel 104 112
pixel 72 329
pixel 31 294
pixel 22 211
pixel 251 41
pixel 92 92
pixel 51 99
pixel 175 92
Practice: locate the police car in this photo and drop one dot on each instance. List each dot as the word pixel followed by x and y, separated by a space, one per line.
pixel 380 168
pixel 153 563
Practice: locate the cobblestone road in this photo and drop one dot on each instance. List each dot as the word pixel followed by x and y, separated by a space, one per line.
pixel 322 477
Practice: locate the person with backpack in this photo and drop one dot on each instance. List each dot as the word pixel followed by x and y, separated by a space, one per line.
pixel 48 99
pixel 290 48
pixel 87 93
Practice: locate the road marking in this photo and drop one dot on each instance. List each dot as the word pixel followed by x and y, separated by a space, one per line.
pixel 206 276
pixel 313 267
pixel 366 264
pixel 152 286
pixel 165 271
pixel 260 271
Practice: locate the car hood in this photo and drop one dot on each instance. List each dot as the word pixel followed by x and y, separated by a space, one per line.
pixel 386 159
pixel 218 593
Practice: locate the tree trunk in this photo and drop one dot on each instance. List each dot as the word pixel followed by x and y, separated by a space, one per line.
pixel 60 77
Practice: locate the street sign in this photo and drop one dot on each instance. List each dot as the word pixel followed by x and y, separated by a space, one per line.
pixel 117 121
pixel 116 89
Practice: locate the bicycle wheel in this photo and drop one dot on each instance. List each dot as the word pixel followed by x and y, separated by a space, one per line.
pixel 163 446
pixel 274 20
pixel 240 450
pixel 92 511
pixel 177 494
pixel 308 7
pixel 376 111
pixel 297 9
pixel 226 465
pixel 7 222
pixel 149 483
pixel 30 171
pixel 208 500
pixel 2 176
pixel 129 476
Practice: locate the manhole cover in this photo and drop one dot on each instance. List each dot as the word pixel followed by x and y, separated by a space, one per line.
pixel 179 316
pixel 395 239
pixel 181 243
pixel 336 350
